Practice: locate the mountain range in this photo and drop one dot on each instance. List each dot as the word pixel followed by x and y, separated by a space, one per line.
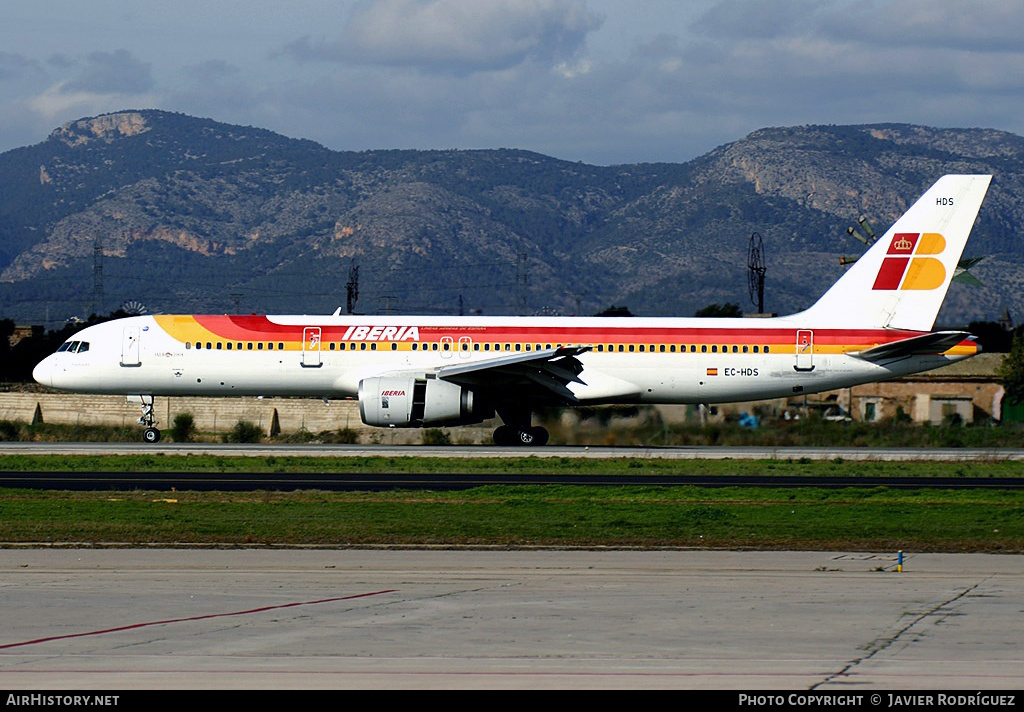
pixel 171 213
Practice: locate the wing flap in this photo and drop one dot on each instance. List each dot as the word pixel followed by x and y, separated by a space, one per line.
pixel 551 369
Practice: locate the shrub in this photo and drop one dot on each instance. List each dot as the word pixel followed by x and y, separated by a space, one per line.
pixel 184 428
pixel 435 436
pixel 243 432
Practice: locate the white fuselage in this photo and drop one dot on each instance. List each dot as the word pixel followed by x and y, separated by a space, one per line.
pixel 629 360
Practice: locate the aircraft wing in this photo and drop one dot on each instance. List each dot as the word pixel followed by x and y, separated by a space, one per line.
pixel 549 369
pixel 934 343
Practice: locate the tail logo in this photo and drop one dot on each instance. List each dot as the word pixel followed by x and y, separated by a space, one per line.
pixel 907 265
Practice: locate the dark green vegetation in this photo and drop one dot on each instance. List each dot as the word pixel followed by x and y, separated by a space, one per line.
pixel 878 518
pixel 527 464
pixel 192 215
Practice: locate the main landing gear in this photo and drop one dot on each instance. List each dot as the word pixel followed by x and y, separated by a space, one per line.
pixel 517 429
pixel 527 435
pixel 150 433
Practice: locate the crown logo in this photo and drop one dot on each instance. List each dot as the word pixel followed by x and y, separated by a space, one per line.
pixel 903 244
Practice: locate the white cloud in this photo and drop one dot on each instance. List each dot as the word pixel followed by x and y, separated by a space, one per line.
pixel 455 35
pixel 60 103
pixel 595 80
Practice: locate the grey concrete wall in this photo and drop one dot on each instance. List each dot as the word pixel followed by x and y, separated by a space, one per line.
pixel 211 414
pixel 215 415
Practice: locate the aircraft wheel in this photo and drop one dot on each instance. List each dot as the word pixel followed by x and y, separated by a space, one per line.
pixel 531 437
pixel 151 435
pixel 504 436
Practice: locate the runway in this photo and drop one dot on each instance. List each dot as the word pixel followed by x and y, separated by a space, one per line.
pixel 471 451
pixel 96 619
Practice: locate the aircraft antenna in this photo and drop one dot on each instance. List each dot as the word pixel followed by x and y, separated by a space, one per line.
pixel 756 271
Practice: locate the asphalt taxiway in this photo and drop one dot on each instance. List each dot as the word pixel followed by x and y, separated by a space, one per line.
pixel 164 618
pixel 488 451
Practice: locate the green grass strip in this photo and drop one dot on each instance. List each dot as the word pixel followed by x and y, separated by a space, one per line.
pixel 876 519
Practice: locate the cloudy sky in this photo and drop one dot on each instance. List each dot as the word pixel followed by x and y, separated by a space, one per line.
pixel 601 81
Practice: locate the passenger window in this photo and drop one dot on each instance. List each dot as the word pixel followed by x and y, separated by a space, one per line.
pixel 766 349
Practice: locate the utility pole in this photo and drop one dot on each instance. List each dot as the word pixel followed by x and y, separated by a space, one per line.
pixel 522 284
pixel 97 275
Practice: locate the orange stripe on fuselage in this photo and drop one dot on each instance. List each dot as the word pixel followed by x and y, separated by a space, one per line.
pixel 191 328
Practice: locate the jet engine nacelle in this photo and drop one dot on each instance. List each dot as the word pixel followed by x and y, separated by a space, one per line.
pixel 409 402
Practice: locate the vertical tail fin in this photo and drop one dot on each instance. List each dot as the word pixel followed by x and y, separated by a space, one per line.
pixel 901 281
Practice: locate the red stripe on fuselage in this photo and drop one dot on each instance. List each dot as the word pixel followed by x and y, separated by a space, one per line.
pixel 260 328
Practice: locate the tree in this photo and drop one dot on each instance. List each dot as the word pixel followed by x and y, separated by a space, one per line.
pixel 615 311
pixel 720 310
pixel 1011 370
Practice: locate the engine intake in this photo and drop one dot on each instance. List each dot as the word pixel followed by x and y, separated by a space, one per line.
pixel 409 402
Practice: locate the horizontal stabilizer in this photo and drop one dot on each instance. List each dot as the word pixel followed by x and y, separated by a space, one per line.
pixel 934 343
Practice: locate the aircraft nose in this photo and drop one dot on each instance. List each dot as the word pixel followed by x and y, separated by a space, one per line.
pixel 43 372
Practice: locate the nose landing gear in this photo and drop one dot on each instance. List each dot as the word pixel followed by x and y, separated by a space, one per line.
pixel 150 433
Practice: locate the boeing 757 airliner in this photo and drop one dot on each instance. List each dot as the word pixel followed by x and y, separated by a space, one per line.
pixel 874 323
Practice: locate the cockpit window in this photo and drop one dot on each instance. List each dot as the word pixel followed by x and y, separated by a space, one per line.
pixel 75 347
pixel 64 347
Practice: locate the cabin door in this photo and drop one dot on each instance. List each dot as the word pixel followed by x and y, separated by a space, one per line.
pixel 804 350
pixel 311 346
pixel 130 346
